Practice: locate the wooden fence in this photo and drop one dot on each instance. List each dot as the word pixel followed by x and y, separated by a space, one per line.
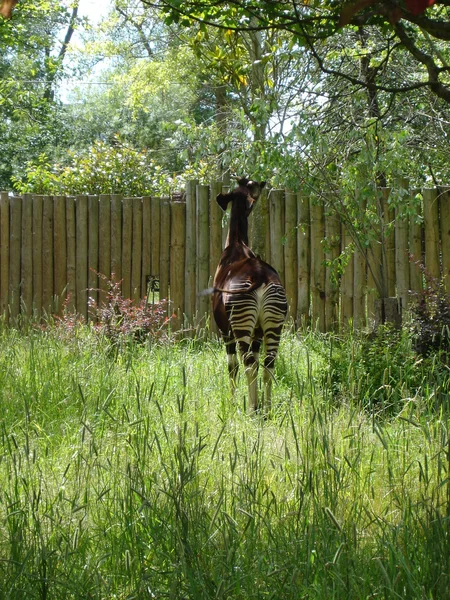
pixel 53 249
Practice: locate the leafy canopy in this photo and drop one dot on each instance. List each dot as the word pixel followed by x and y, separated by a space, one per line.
pixel 407 26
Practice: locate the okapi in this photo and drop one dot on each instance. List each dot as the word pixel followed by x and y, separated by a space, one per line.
pixel 249 301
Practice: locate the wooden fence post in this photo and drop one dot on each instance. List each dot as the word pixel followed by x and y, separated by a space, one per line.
pixel 27 255
pixel 444 203
pixel 290 252
pixel 415 250
pixel 304 259
pixel 60 240
pixel 276 216
pixel 347 280
pixel 402 249
pixel 215 223
pixel 190 293
pixel 71 251
pixel 164 256
pixel 359 288
pixel 258 226
pixel 93 247
pixel 156 235
pixel 359 274
pixel 317 265
pixel 146 244
pixel 431 225
pixel 47 255
pixel 116 239
pixel 374 279
pixel 5 250
pixel 203 302
pixel 215 240
pixel 177 258
pixel 127 234
pixel 265 214
pixel 104 243
pixel 388 243
pixel 376 283
pixel 81 253
pixel 225 217
pixel 14 256
pixel 136 251
pixel 332 252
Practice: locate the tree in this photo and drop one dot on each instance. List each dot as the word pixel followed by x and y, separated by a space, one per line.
pixel 33 48
pixel 406 28
pixel 354 137
pixel 152 88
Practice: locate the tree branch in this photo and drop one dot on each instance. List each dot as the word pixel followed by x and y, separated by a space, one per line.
pixel 433 70
pixel 139 29
pixel 51 74
pixel 311 28
pixel 69 33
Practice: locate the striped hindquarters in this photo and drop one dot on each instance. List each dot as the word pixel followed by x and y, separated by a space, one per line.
pixel 264 308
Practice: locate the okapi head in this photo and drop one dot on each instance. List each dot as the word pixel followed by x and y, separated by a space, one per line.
pixel 245 195
pixel 242 200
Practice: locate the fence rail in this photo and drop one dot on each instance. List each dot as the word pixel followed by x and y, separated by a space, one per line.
pixel 53 248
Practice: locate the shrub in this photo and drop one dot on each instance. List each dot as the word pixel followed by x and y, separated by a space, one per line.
pixel 377 371
pixel 118 317
pixel 430 317
pixel 102 169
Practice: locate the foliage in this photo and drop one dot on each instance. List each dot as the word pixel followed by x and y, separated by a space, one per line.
pixel 430 317
pixel 151 87
pixel 122 319
pixel 102 169
pixel 343 129
pixel 376 371
pixel 33 49
pixel 423 38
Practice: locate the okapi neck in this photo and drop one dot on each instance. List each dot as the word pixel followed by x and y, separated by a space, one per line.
pixel 238 229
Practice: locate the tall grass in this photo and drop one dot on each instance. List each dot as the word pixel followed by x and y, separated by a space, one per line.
pixel 131 472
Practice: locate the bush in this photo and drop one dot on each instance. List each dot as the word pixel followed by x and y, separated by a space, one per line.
pixel 121 318
pixel 430 317
pixel 102 169
pixel 377 371
pixel 118 319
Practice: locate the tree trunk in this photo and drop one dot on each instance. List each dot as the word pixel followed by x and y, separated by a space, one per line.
pixel 222 127
pixel 49 92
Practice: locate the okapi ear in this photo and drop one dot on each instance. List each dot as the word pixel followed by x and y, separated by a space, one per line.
pixel 243 181
pixel 222 201
pixel 263 184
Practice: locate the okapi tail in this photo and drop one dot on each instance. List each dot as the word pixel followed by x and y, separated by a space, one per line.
pixel 215 290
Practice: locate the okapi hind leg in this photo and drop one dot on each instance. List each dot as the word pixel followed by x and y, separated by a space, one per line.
pixel 232 360
pixel 272 343
pixel 251 372
pixel 256 346
pixel 268 376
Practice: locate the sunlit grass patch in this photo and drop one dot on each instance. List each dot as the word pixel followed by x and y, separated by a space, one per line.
pixel 130 471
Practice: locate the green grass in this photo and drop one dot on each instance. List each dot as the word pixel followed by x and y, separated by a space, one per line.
pixel 131 473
